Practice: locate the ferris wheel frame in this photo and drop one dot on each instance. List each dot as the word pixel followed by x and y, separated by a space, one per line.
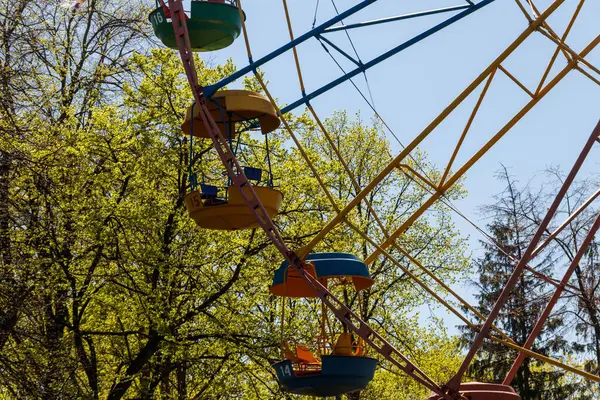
pixel 537 22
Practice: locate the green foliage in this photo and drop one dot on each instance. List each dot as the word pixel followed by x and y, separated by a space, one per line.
pixel 435 353
pixel 107 287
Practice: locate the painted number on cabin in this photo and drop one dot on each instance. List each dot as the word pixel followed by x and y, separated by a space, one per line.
pixel 196 201
pixel 157 19
pixel 285 370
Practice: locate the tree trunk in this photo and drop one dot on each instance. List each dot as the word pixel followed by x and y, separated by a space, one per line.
pixel 150 348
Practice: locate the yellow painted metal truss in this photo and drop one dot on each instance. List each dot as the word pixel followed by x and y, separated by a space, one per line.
pixel 576 61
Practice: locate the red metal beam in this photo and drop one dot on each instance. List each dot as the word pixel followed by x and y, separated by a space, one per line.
pixel 567 221
pixel 546 313
pixel 236 173
pixel 454 383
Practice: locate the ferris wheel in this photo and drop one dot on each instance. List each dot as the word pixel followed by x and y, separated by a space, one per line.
pixel 248 199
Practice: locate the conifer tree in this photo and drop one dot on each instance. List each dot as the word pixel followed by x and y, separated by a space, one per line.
pixel 510 234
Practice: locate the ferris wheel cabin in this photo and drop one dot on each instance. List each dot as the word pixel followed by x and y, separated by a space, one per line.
pixel 346 368
pixel 337 375
pixel 228 107
pixel 325 266
pixel 212 24
pixel 231 212
pixel 224 208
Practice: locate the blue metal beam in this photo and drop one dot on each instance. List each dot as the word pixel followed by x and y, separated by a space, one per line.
pixel 334 46
pixel 211 89
pixel 305 99
pixel 397 18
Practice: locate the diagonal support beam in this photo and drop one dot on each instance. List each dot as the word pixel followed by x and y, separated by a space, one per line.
pixel 454 383
pixel 238 178
pixel 550 306
pixel 403 46
pixel 339 50
pixel 429 129
pixel 397 18
pixel 451 181
pixel 210 90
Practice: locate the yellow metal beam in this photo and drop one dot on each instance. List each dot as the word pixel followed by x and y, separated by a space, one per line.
pixel 425 133
pixel 568 68
pixel 467 127
pixel 572 52
pixel 555 55
pixel 524 11
pixel 584 72
pixel 418 175
pixel 515 80
pixel 548 360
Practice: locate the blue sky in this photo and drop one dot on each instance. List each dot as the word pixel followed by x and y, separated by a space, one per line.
pixel 413 87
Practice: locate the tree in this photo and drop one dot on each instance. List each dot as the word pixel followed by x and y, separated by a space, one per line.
pixel 107 288
pixel 511 232
pixel 54 64
pixel 582 311
pixel 578 304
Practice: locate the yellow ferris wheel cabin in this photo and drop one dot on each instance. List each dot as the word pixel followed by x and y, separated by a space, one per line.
pixel 230 107
pixel 211 212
